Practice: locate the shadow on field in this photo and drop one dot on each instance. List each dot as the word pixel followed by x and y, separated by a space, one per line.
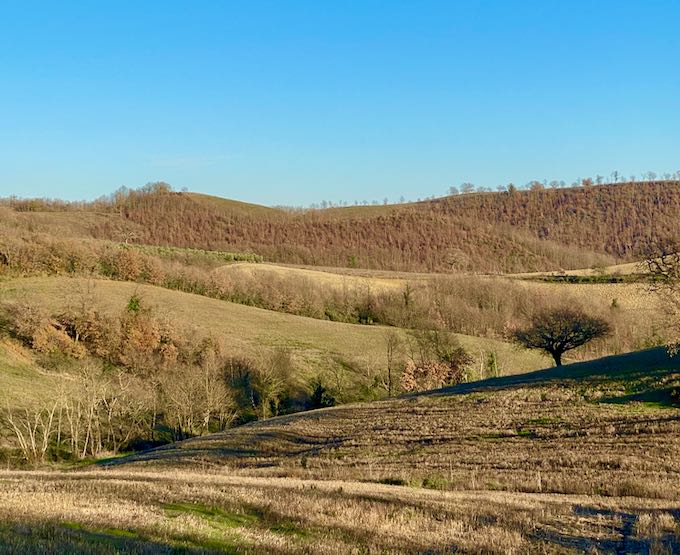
pixel 263 445
pixel 640 365
pixel 640 376
pixel 70 538
pixel 626 539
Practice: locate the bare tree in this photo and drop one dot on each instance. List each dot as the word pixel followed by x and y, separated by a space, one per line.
pixel 393 347
pixel 662 261
pixel 559 330
pixel 34 429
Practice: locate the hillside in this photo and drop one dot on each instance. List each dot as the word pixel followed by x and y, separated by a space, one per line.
pixel 523 231
pixel 570 461
pixel 491 232
pixel 403 238
pixel 122 331
pixel 329 278
pixel 345 352
pixel 235 208
pixel 613 219
pixel 597 427
pixel 22 380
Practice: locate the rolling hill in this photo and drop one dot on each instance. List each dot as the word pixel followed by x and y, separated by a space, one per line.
pixel 523 231
pixel 584 428
pixel 576 459
pixel 580 459
pixel 350 353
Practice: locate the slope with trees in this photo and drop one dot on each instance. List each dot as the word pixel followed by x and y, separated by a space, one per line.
pixel 515 231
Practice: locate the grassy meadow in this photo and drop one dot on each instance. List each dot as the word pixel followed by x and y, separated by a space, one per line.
pixel 331 278
pixel 22 379
pixel 317 346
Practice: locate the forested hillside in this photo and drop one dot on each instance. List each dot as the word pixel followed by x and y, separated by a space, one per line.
pixel 537 230
pixel 614 219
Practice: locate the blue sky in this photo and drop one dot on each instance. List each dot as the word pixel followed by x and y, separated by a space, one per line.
pixel 296 102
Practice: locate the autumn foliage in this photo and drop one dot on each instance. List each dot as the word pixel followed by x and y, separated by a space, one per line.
pixel 543 229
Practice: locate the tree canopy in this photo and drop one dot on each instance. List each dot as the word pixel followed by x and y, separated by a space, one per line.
pixel 559 330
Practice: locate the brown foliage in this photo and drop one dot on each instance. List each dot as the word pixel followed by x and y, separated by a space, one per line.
pixel 435 360
pixel 523 231
pixel 429 375
pixel 44 334
pixel 541 229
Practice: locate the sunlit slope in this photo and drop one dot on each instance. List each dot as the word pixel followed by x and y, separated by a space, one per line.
pixel 602 427
pixel 317 345
pixel 231 207
pixel 210 513
pixel 604 271
pixel 69 224
pixel 22 379
pixel 327 279
pixel 625 295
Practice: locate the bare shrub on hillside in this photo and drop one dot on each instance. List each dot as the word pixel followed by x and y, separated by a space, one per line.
pixel 394 354
pixel 272 380
pixel 196 397
pixel 261 385
pixel 435 360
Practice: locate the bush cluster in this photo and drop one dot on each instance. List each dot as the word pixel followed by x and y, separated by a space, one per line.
pixel 136 379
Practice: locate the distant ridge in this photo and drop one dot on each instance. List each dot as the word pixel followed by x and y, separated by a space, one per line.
pixel 505 232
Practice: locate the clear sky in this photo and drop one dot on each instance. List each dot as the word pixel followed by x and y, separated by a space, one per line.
pixel 287 102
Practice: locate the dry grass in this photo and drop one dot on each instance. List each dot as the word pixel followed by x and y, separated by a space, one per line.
pixel 317 345
pixel 614 270
pixel 627 296
pixel 325 279
pixel 589 428
pixel 230 207
pixel 539 463
pixel 194 512
pixel 570 460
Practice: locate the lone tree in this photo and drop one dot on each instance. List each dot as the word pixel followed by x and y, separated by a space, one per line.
pixel 559 330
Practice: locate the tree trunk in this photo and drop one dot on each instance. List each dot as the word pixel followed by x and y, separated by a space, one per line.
pixel 558 358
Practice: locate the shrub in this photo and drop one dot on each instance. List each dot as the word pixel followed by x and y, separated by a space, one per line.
pixel 321 397
pixel 436 360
